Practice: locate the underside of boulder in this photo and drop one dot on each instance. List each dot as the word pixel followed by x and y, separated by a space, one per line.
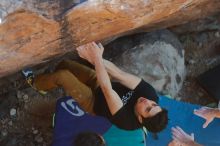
pixel 28 37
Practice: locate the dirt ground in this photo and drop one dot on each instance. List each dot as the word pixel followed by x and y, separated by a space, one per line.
pixel 32 123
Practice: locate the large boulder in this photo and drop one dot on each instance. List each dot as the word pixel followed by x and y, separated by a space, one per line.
pixel 45 29
pixel 157 57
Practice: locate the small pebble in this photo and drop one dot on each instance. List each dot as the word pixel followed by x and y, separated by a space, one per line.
pixel 200 44
pixel 10 123
pixel 4 132
pixel 191 61
pixel 38 139
pixel 3 121
pixel 217 34
pixel 13 112
pixel 25 97
pixel 19 94
pixel 35 131
pixel 200 94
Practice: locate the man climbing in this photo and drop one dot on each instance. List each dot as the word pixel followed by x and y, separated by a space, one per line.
pixel 129 103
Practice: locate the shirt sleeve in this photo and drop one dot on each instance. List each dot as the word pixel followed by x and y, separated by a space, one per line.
pixel 144 89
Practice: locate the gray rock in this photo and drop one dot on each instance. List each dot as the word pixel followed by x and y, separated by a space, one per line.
pixel 13 112
pixel 200 44
pixel 38 138
pixel 191 61
pixel 9 6
pixel 47 8
pixel 20 94
pixel 217 34
pixel 157 57
pixel 35 132
pixel 25 97
pixel 4 121
pixel 10 123
pixel 4 132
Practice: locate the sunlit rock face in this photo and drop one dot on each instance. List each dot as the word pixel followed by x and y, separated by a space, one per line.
pixel 26 39
pixel 35 31
pixel 157 57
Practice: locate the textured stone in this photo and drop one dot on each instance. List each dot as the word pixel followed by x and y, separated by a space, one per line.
pixel 9 6
pixel 26 98
pixel 4 132
pixel 35 132
pixel 10 123
pixel 217 34
pixel 31 39
pixel 20 94
pixel 48 28
pixel 117 17
pixel 47 8
pixel 39 139
pixel 13 112
pixel 211 23
pixel 157 57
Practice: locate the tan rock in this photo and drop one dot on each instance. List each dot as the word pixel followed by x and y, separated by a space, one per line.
pixel 103 20
pixel 26 38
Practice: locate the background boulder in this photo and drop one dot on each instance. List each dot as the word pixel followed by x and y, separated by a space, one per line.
pixel 157 57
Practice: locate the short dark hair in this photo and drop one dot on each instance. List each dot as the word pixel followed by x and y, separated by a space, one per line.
pixel 156 123
pixel 88 139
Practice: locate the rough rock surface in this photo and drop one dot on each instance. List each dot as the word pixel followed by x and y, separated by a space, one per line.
pixel 52 9
pixel 27 42
pixel 33 123
pixel 211 23
pixel 49 28
pixel 157 57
